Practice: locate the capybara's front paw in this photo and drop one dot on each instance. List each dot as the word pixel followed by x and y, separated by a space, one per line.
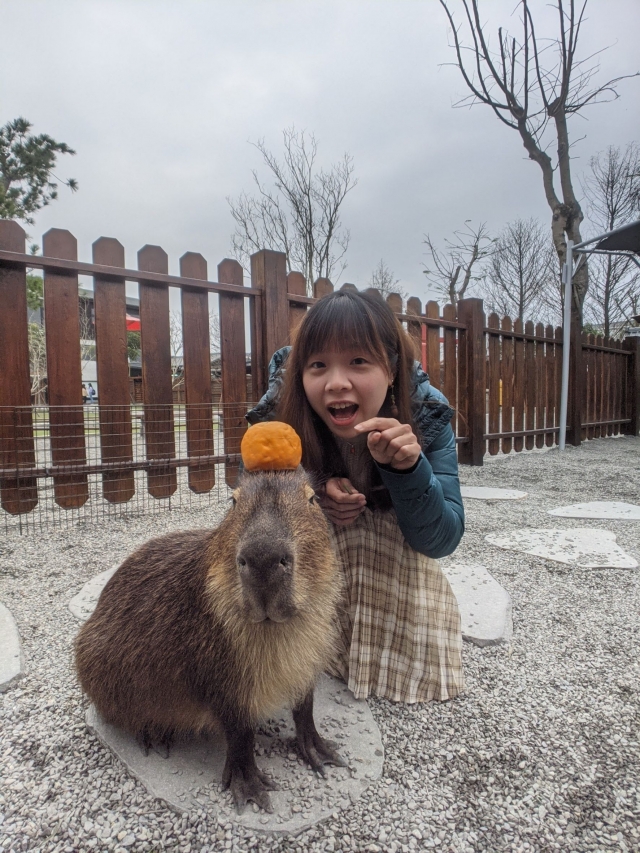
pixel 247 783
pixel 317 752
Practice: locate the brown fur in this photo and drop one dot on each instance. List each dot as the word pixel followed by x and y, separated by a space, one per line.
pixel 173 645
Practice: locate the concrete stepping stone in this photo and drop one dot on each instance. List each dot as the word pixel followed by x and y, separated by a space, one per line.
pixel 190 778
pixel 599 509
pixel 11 657
pixel 488 493
pixel 84 603
pixel 588 549
pixel 485 605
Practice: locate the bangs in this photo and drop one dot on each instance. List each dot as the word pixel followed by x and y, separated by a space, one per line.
pixel 340 322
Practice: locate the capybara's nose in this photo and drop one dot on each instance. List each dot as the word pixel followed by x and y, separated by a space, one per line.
pixel 264 562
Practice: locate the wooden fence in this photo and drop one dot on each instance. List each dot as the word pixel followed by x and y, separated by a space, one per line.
pixel 502 379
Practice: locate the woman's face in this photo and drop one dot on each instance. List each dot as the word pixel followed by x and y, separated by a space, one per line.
pixel 345 388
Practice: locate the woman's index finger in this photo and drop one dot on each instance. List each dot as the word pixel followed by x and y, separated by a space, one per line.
pixel 379 424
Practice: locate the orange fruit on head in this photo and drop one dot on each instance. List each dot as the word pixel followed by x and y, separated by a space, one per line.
pixel 271 446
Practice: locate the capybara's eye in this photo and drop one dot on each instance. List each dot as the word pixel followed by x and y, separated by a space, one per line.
pixel 314 499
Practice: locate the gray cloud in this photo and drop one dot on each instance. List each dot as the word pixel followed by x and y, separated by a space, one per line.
pixel 160 100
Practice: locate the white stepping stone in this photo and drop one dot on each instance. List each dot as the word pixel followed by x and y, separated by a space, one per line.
pixel 487 493
pixel 84 603
pixel 11 657
pixel 485 605
pixel 589 549
pixel 599 509
pixel 190 778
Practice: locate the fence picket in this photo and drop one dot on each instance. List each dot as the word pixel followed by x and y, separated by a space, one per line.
pixel 64 374
pixel 472 355
pixel 233 362
pixel 590 381
pixel 493 377
pixel 110 307
pixel 156 373
pixel 394 301
pixel 196 354
pixel 559 336
pixel 18 494
pixel 322 287
pixel 296 284
pixel 519 384
pixel 600 404
pixel 432 311
pixel 450 385
pixel 414 328
pixel 549 422
pixel 530 386
pixel 541 385
pixel 609 390
pixel 506 374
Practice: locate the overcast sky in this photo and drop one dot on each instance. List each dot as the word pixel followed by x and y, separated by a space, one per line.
pixel 161 100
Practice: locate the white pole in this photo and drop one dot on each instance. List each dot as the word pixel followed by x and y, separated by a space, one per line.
pixel 567 276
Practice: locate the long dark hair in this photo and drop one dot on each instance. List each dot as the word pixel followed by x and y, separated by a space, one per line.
pixel 339 321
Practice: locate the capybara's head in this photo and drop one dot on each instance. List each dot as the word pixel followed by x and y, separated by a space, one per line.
pixel 278 540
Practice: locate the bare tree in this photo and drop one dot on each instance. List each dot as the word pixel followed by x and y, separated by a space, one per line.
pixel 383 279
pixel 298 211
pixel 612 193
pixel 452 270
pixel 533 84
pixel 521 274
pixel 37 361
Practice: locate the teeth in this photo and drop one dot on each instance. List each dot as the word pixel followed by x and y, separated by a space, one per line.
pixel 341 405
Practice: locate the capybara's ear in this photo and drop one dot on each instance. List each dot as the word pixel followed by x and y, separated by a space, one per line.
pixel 271 446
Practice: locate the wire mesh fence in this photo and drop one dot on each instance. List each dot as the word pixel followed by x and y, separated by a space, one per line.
pixel 61 465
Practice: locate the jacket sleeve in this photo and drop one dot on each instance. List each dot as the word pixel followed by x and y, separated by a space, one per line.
pixel 427 498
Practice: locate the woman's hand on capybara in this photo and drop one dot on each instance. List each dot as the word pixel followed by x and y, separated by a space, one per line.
pixel 341 501
pixel 391 443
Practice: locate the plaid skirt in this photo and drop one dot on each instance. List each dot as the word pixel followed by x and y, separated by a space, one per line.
pixel 399 623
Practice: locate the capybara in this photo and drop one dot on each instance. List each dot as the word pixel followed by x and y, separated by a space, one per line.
pixel 208 629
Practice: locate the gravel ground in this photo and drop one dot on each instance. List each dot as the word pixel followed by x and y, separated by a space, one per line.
pixel 540 753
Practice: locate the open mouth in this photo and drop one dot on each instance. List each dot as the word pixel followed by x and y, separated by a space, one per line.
pixel 343 413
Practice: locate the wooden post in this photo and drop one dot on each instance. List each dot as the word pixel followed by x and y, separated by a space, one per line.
pixel 19 494
pixel 110 304
pixel 64 372
pixel 472 382
pixel 196 354
pixel 576 385
pixel 633 385
pixel 268 274
pixel 233 364
pixel 156 373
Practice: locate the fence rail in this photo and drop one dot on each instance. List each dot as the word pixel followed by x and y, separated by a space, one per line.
pixel 147 438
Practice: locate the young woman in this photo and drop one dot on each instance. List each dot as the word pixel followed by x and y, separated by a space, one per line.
pixel 377 439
